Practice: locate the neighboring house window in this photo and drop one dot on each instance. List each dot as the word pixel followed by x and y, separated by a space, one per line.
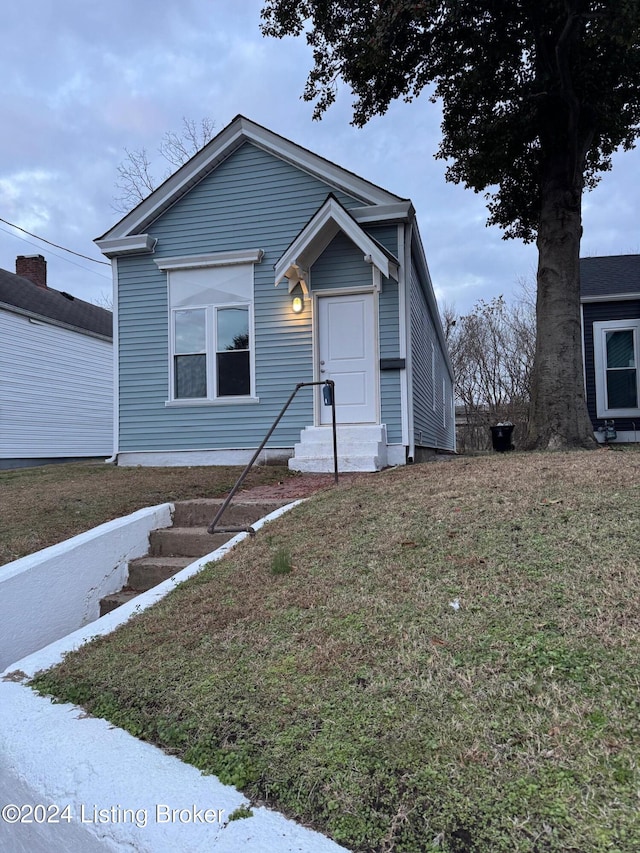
pixel 211 327
pixel 615 345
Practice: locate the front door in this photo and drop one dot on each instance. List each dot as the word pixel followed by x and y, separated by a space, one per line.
pixel 347 348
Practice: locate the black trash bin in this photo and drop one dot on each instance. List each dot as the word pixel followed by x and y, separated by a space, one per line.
pixel 501 437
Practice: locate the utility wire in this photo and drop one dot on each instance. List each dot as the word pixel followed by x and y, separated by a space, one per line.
pixel 49 243
pixel 55 254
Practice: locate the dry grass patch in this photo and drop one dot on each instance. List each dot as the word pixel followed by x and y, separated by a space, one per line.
pixel 351 694
pixel 48 504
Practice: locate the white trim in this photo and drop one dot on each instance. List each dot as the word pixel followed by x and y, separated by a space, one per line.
pixel 116 362
pixel 613 297
pixel 399 212
pixel 307 247
pixel 194 458
pixel 600 328
pixel 219 260
pixel 346 291
pixel 216 259
pixel 584 352
pixel 211 353
pixel 404 330
pixel 622 436
pixel 134 244
pixel 239 131
pixel 218 401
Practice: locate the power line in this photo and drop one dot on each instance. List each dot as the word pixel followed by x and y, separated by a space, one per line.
pixel 55 254
pixel 49 243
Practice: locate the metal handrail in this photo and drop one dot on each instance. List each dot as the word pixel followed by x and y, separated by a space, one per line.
pixel 327 382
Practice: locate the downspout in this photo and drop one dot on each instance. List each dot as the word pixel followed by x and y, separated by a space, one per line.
pixel 112 460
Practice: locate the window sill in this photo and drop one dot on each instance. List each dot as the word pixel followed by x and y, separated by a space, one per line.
pixel 618 413
pixel 221 401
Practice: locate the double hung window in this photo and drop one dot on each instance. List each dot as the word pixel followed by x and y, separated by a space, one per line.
pixel 211 328
pixel 616 363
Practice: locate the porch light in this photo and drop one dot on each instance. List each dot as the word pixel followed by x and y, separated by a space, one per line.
pixel 297 304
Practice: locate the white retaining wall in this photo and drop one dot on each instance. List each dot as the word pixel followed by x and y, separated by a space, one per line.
pixel 51 593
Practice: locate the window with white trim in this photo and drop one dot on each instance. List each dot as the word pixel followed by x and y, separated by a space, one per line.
pixel 211 332
pixel 616 359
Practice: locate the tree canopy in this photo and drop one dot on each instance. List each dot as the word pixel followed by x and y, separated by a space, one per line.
pixel 536 97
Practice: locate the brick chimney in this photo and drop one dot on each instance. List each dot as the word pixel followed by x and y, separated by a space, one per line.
pixel 33 267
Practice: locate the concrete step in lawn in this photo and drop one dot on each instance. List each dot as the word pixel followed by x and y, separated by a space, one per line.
pixel 173 548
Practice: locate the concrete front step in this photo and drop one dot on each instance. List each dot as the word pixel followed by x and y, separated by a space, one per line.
pixel 147 572
pixel 360 448
pixel 116 599
pixel 173 548
pixel 346 464
pixel 202 511
pixel 184 542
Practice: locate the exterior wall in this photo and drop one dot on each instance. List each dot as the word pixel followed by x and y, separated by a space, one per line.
pixel 593 312
pixel 433 419
pixel 252 200
pixel 56 391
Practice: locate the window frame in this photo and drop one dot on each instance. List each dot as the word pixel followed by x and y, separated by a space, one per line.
pixel 219 260
pixel 211 352
pixel 600 329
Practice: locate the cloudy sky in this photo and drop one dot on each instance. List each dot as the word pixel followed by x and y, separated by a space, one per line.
pixel 82 80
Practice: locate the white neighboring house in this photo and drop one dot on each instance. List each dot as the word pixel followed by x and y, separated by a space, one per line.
pixel 56 371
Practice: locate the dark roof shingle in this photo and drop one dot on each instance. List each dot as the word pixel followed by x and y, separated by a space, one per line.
pixel 610 275
pixel 48 304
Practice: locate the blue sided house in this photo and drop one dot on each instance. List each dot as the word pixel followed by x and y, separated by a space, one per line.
pixel 259 265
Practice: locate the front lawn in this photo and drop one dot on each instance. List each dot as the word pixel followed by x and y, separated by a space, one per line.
pixel 440 658
pixel 45 505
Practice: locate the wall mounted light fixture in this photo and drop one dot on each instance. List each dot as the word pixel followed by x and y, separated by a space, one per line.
pixel 297 304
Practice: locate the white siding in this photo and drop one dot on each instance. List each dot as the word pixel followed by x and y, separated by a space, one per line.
pixel 56 391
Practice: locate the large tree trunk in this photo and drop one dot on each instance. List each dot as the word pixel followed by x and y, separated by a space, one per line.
pixel 559 419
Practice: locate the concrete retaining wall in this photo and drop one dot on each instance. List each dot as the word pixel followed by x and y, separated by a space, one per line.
pixel 51 593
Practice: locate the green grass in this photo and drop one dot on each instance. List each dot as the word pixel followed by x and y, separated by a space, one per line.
pixel 351 695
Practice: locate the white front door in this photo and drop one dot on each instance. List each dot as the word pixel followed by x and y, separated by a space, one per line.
pixel 347 351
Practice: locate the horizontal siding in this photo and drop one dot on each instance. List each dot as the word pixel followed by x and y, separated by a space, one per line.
pixel 386 235
pixel 251 201
pixel 432 409
pixel 340 265
pixel 56 391
pixel 598 312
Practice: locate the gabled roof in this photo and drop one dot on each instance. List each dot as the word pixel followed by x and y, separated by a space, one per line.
pixel 610 277
pixel 119 239
pixel 314 238
pixel 21 296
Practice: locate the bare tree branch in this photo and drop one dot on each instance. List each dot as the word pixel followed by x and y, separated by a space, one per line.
pixel 136 179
